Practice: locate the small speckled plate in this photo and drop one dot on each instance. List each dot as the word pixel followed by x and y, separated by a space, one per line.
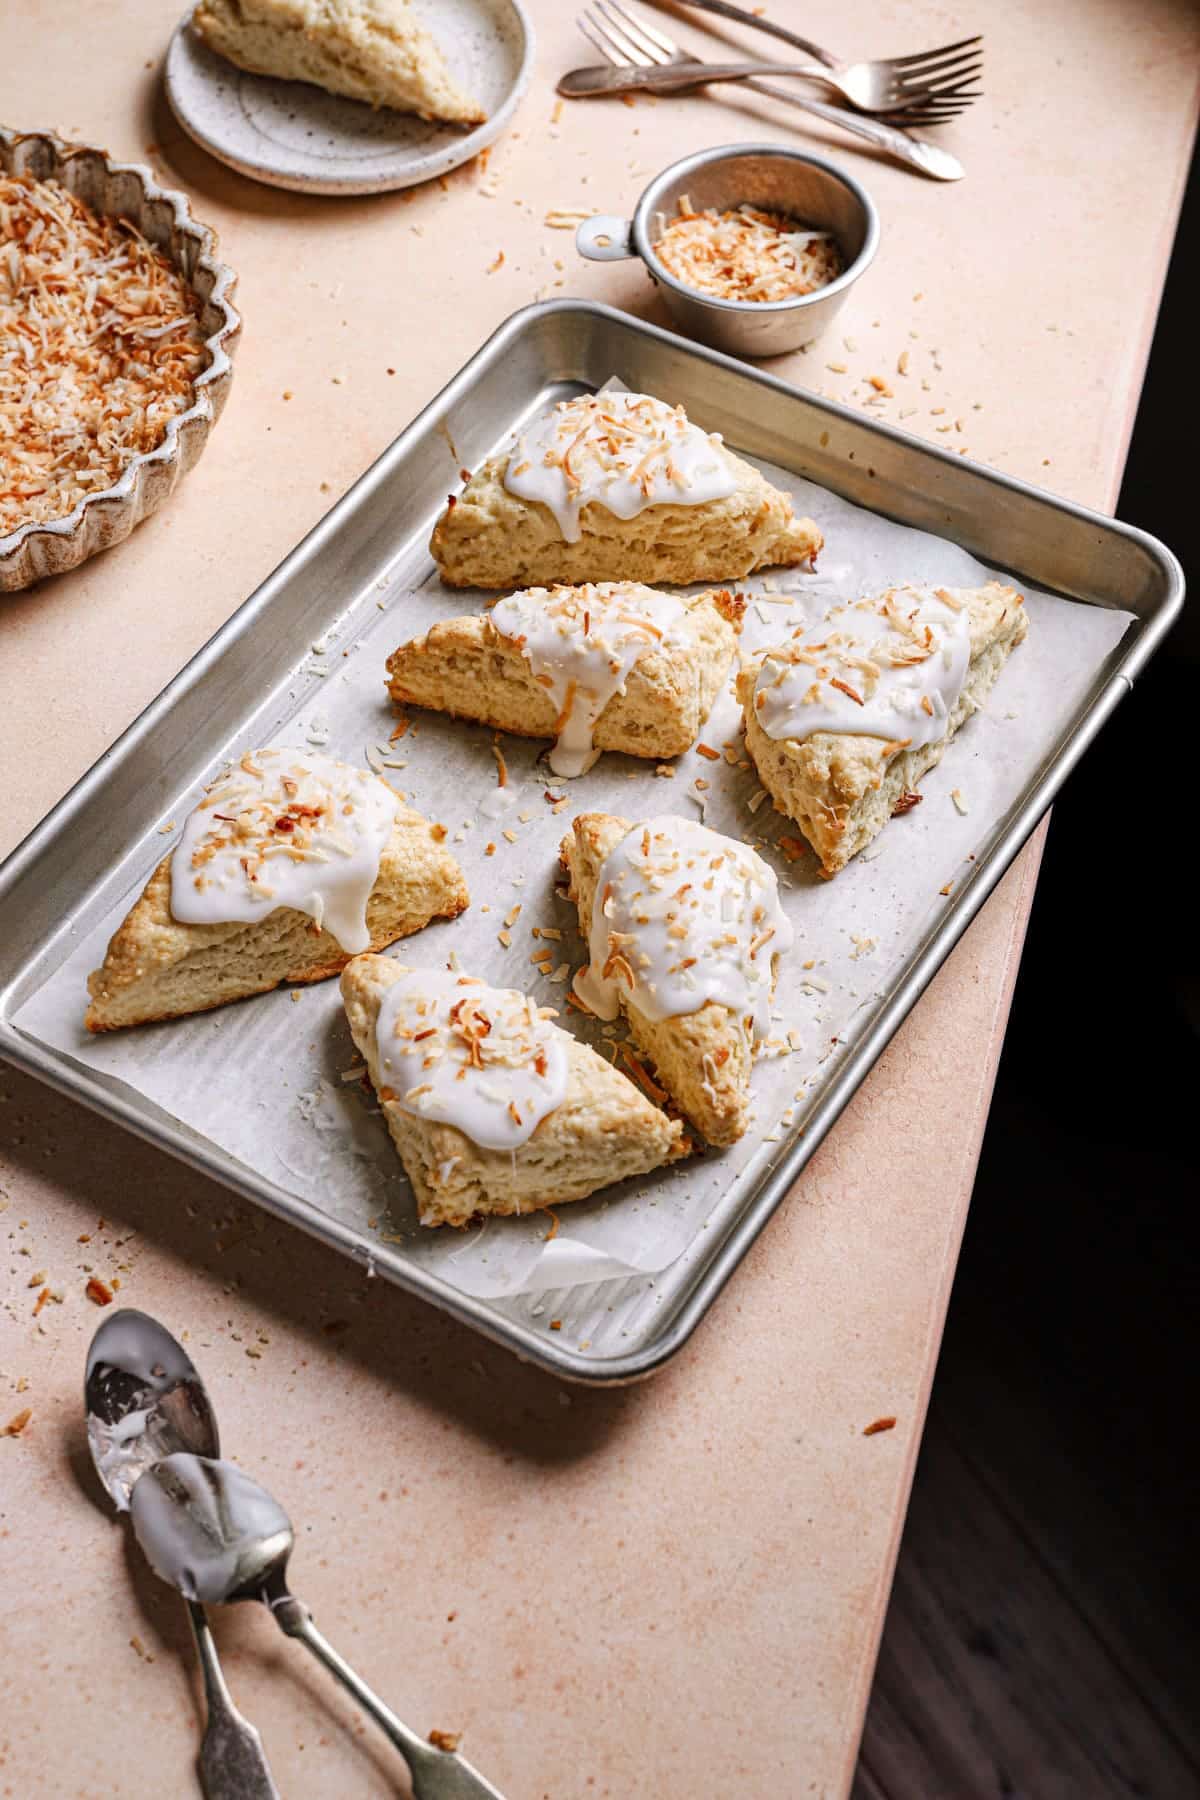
pixel 290 134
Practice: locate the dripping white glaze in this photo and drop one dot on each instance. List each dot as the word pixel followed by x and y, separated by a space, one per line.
pixel 482 1059
pixel 581 643
pixel 622 451
pixel 285 828
pixel 195 1517
pixel 892 666
pixel 682 916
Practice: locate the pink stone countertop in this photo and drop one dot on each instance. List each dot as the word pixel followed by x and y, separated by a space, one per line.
pixel 673 1591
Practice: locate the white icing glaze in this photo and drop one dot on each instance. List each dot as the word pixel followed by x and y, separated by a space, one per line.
pixel 682 916
pixel 892 666
pixel 581 643
pixel 621 451
pixel 285 828
pixel 480 1058
pixel 195 1517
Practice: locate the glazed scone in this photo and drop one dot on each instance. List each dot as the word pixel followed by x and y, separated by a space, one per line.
pixel 616 487
pixel 610 666
pixel 291 864
pixel 844 719
pixel 493 1108
pixel 684 931
pixel 372 50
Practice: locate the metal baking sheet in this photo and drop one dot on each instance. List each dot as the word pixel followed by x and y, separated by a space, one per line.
pixel 629 1275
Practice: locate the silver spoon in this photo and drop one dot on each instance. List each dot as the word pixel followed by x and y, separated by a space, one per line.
pixel 145 1401
pixel 215 1534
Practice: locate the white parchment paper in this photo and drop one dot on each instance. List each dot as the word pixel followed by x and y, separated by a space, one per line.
pixel 267 1079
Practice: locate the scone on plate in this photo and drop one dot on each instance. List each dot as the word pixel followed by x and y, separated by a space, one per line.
pixel 493 1108
pixel 684 931
pixel 616 487
pixel 605 666
pixel 844 719
pixel 372 50
pixel 291 864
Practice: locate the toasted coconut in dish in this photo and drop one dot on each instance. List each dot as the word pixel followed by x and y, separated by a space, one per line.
pixel 747 253
pixel 100 344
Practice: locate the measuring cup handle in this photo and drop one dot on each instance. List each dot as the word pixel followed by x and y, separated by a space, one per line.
pixel 604 238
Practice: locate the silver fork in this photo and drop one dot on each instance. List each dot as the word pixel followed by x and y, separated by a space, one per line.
pixel 631 63
pixel 935 83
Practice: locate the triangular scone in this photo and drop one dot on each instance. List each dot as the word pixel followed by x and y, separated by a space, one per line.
pixel 561 1121
pixel 333 840
pixel 610 666
pixel 616 487
pixel 672 906
pixel 912 663
pixel 372 50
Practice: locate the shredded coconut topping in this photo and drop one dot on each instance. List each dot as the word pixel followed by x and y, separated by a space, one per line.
pixel 285 828
pixel 99 346
pixel 682 916
pixel 622 451
pixel 747 254
pixel 892 666
pixel 485 1060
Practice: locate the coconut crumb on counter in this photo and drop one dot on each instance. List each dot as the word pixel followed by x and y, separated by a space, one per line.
pixel 100 344
pixel 747 254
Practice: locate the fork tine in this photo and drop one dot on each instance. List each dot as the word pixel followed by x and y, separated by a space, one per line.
pixel 959 67
pixel 591 32
pixel 912 116
pixel 655 43
pixel 924 56
pixel 627 52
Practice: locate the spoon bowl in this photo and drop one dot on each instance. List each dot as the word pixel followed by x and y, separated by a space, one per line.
pixel 144 1401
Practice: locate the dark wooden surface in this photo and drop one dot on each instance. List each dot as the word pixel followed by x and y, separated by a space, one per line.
pixel 1043 1637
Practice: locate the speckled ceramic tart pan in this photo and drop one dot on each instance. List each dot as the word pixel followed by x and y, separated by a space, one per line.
pixel 290 134
pixel 163 217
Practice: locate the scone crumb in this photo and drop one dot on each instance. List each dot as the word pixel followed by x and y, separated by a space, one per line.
pixel 708 751
pixel 556 1324
pixel 98 1291
pixel 509 836
pixel 505 938
pixel 947 890
pixel 876 1425
pixel 438 833
pixel 960 804
pixel 445 1740
pixel 489 850
pixel 18 1422
pixel 497 264
pixel 137 1646
pixel 665 770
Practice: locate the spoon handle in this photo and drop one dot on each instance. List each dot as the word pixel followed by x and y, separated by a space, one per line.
pixel 436 1774
pixel 232 1763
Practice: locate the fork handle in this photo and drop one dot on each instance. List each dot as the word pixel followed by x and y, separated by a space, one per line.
pixel 918 153
pixel 725 10
pixel 669 78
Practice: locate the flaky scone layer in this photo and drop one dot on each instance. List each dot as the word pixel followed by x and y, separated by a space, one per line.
pixel 157 968
pixel 603 1131
pixel 840 788
pixel 717 1104
pixel 372 50
pixel 465 667
pixel 489 538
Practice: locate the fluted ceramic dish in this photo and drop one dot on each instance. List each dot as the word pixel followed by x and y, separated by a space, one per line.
pixel 163 216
